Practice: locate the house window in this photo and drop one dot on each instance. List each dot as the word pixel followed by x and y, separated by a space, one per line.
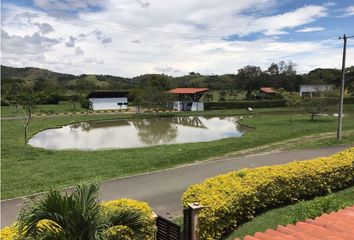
pixel 120 104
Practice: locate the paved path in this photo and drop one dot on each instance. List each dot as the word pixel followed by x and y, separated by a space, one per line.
pixel 163 189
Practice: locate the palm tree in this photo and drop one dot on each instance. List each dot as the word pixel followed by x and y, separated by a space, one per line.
pixel 76 216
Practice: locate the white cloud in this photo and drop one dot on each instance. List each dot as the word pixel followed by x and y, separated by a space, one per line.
pixel 274 25
pixel 28 44
pixel 167 70
pixel 71 42
pixel 79 51
pixel 106 40
pixel 67 5
pixel 311 29
pixel 330 4
pixel 137 41
pixel 349 11
pixel 167 36
pixel 44 27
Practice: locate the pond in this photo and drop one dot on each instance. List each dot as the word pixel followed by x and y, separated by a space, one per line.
pixel 112 134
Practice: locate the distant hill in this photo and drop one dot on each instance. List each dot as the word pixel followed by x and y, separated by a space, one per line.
pixel 41 79
pixel 30 76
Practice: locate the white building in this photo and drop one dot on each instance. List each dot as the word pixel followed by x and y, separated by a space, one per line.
pixel 187 106
pixel 108 100
pixel 188 99
pixel 314 90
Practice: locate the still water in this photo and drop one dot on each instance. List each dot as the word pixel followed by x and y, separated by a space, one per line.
pixel 137 133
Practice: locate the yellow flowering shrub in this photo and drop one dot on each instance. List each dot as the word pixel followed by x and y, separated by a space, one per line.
pixel 237 196
pixel 137 206
pixel 12 233
pixel 9 233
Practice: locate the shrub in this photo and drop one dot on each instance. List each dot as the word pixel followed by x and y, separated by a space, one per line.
pixel 245 104
pixel 257 104
pixel 348 100
pixel 11 233
pixel 233 198
pixel 136 206
pixel 312 209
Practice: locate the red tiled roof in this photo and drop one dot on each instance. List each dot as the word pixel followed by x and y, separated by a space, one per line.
pixel 336 226
pixel 267 90
pixel 188 90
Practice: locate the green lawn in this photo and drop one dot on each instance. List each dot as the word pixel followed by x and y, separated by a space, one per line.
pixel 296 212
pixel 7 111
pixel 45 108
pixel 27 170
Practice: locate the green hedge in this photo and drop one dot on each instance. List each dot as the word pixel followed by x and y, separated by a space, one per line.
pixel 256 104
pixel 244 104
pixel 236 197
pixel 348 100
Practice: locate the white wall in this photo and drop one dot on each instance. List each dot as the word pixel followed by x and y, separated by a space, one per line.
pixel 109 103
pixel 188 106
pixel 197 106
pixel 310 89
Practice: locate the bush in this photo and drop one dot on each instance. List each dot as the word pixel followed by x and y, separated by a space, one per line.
pixel 245 104
pixel 47 98
pixel 348 100
pixel 316 207
pixel 233 198
pixel 149 228
pixel 256 104
pixel 11 233
pixel 4 103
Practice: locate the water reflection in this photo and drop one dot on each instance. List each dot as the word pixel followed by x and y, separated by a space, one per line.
pixel 138 133
pixel 156 131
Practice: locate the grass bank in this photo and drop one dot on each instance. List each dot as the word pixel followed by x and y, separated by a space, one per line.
pixel 27 170
pixel 10 111
pixel 296 212
pixel 45 108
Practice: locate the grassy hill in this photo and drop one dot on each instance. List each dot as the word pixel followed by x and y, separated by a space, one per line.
pixel 12 78
pixel 30 76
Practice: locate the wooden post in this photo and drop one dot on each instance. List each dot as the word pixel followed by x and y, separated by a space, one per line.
pixel 194 219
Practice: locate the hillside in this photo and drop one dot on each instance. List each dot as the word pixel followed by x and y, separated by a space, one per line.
pixel 40 79
pixel 35 76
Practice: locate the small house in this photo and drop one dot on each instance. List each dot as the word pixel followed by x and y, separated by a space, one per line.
pixel 188 99
pixel 266 92
pixel 314 90
pixel 108 100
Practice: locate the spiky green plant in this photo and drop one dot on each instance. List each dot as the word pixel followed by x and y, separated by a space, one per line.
pixel 76 216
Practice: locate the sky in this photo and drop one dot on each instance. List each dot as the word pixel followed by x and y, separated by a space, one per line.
pixel 133 37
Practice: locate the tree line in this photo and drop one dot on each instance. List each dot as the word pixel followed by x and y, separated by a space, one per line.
pixel 56 86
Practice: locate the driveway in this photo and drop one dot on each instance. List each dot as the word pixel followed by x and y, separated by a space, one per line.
pixel 163 189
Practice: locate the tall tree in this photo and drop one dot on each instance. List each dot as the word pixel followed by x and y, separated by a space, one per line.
pixel 249 79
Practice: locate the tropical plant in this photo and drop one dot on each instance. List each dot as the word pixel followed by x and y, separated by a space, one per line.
pixel 77 216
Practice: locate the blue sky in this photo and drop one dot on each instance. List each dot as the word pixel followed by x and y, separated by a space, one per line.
pixel 132 37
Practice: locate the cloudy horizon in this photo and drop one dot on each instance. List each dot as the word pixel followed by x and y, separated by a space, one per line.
pixel 133 37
